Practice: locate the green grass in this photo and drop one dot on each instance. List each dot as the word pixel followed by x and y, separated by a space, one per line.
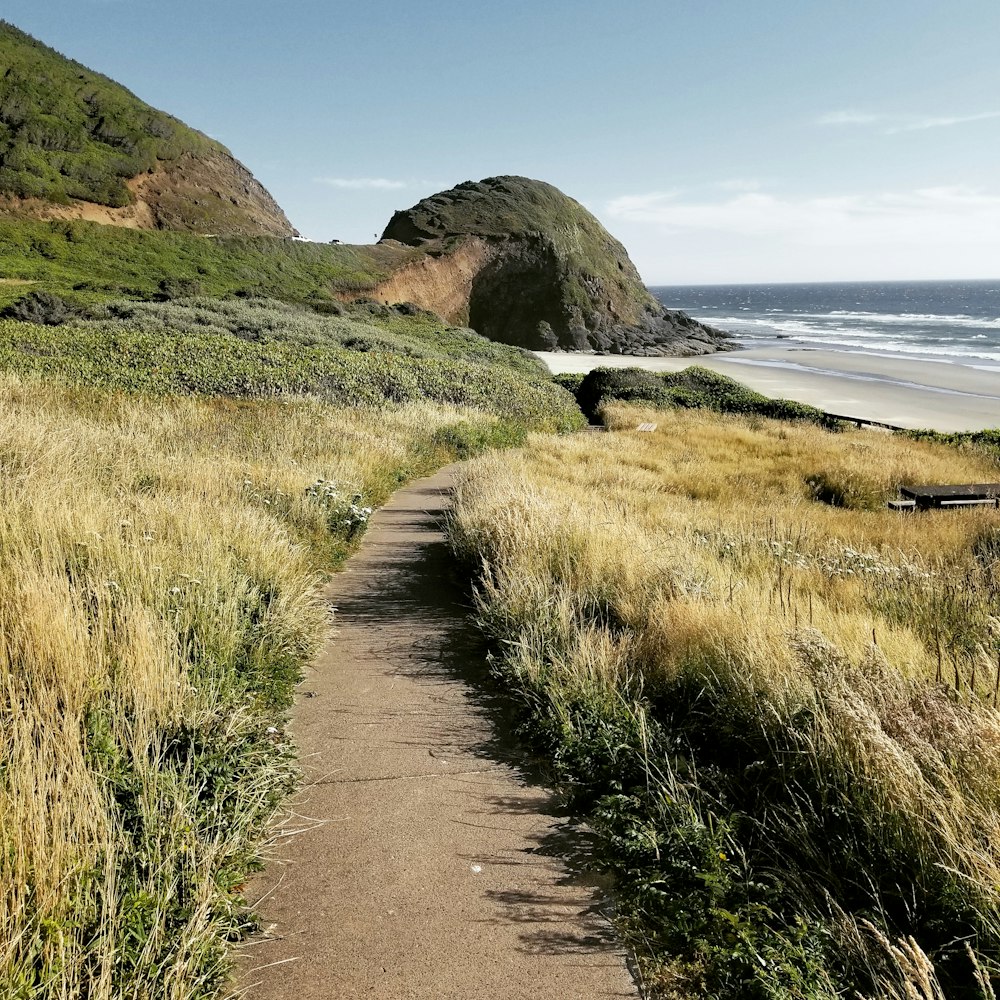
pixel 67 132
pixel 692 388
pixel 260 349
pixel 92 263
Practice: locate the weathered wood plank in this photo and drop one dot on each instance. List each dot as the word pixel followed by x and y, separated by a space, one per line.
pixel 952 491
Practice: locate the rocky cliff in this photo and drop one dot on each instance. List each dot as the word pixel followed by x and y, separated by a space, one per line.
pixel 76 145
pixel 537 270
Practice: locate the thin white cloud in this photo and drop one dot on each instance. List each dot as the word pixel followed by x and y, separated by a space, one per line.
pixel 363 183
pixel 694 237
pixel 943 214
pixel 922 123
pixel 894 124
pixel 849 118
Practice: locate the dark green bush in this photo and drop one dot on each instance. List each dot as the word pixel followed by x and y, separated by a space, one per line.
pixel 569 380
pixel 327 307
pixel 692 388
pixel 42 308
pixel 625 385
pixel 698 387
pixel 179 288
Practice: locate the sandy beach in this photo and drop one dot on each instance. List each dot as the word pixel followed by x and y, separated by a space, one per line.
pixel 902 391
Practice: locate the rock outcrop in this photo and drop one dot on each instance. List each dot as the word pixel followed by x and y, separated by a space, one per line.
pixel 547 274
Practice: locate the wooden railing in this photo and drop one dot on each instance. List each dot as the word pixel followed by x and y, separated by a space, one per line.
pixel 863 421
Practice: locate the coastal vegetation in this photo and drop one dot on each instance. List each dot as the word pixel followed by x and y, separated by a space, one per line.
pixel 774 699
pixel 692 388
pixel 251 348
pixel 68 132
pixel 178 477
pixel 90 263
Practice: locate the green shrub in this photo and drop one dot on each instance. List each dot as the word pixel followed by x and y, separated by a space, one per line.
pixel 698 387
pixel 986 440
pixel 257 349
pixel 43 308
pixel 179 288
pixel 569 380
pixel 626 385
pixel 692 388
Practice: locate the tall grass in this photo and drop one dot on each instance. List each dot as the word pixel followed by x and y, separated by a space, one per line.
pixel 776 698
pixel 159 563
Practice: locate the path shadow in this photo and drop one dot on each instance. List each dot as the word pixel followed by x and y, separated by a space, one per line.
pixel 423 597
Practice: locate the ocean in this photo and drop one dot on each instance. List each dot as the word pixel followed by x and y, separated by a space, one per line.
pixel 956 321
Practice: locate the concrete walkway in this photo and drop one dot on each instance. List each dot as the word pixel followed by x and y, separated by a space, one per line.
pixel 435 870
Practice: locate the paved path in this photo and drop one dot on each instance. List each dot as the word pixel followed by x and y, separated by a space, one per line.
pixel 437 870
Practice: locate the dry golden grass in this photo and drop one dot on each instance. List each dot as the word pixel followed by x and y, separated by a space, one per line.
pixel 698 558
pixel 158 594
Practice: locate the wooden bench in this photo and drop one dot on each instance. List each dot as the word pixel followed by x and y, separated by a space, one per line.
pixel 953 495
pixel 647 428
pixel 902 505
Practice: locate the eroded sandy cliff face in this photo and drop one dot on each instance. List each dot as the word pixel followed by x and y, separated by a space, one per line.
pixel 540 272
pixel 74 144
pixel 212 194
pixel 441 281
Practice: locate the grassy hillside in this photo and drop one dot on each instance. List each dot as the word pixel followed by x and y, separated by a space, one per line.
pixel 253 348
pixel 91 262
pixel 67 132
pixel 780 714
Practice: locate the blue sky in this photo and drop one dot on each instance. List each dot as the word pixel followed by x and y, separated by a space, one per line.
pixel 720 140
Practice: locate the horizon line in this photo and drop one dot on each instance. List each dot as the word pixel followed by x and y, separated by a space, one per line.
pixel 824 281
